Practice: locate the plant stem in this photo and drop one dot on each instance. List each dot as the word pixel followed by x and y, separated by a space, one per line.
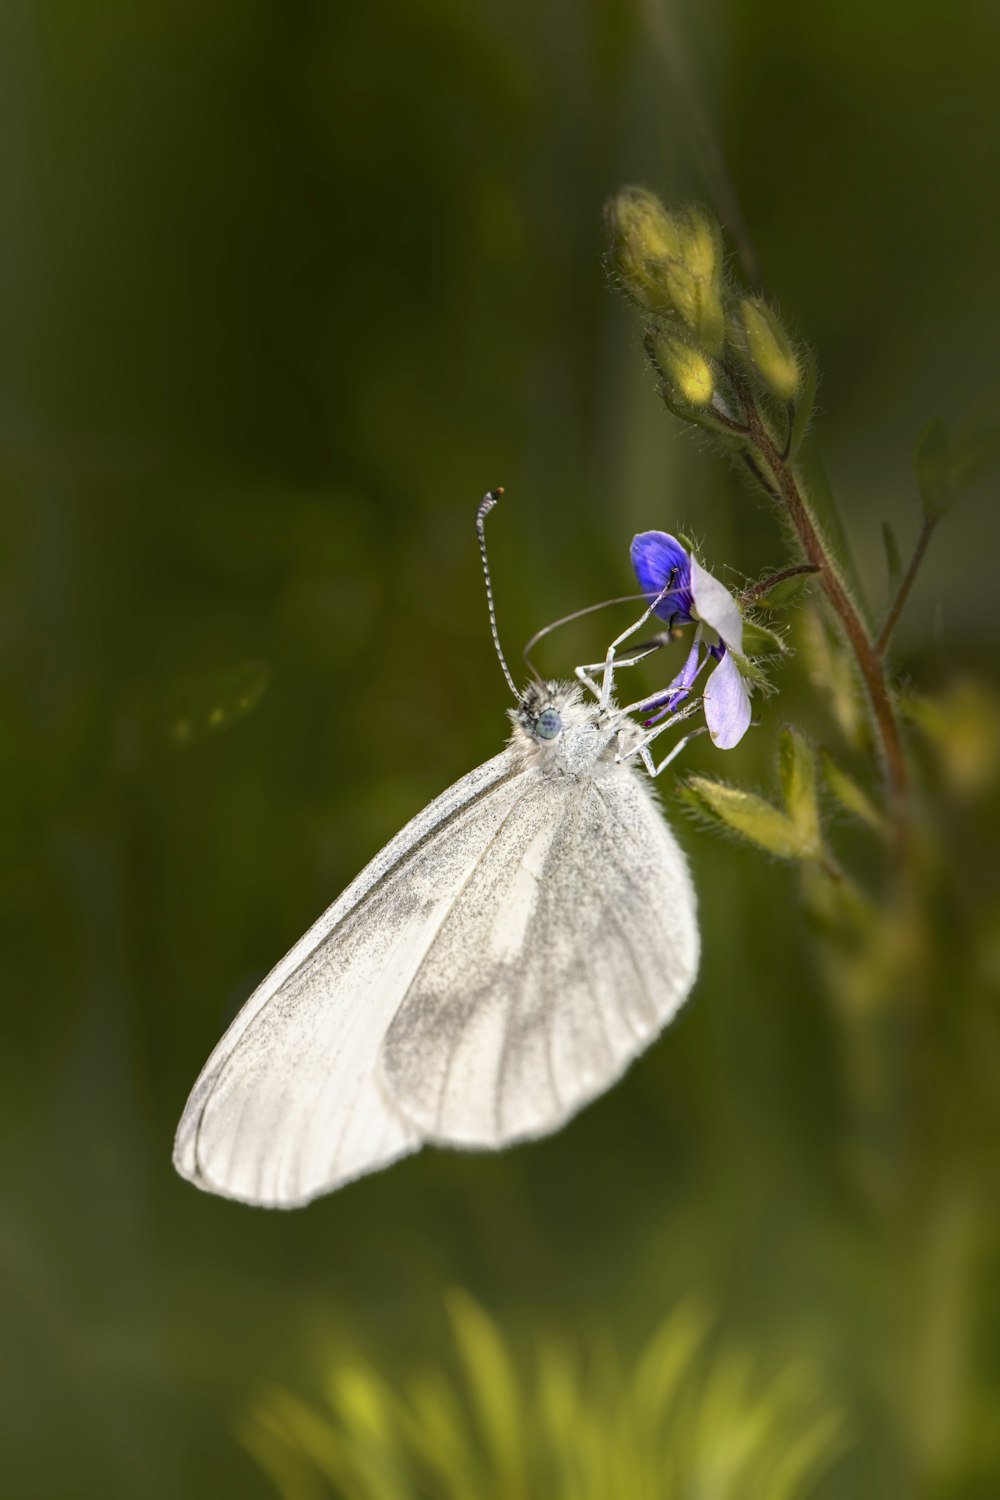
pixel 892 618
pixel 865 651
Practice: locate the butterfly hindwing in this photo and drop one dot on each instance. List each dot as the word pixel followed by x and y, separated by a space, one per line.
pixel 567 950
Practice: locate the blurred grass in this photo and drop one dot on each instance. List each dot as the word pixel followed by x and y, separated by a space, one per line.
pixel 682 1421
pixel 284 288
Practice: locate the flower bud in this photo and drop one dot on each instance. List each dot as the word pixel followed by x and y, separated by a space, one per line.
pixel 770 348
pixel 685 369
pixel 701 242
pixel 752 818
pixel 697 280
pixel 644 244
pixel 670 262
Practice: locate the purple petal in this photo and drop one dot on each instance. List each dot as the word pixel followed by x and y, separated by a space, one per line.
pixel 716 606
pixel 660 561
pixel 727 704
pixel 674 695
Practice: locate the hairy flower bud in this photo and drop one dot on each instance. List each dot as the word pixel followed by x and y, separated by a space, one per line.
pixel 697 281
pixel 644 244
pixel 685 369
pixel 671 263
pixel 770 349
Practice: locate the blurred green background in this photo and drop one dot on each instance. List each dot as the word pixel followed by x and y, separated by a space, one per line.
pixel 283 289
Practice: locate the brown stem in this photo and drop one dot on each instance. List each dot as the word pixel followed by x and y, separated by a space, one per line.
pixel 892 618
pixel 865 651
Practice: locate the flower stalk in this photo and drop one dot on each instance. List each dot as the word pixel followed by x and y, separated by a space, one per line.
pixel 868 654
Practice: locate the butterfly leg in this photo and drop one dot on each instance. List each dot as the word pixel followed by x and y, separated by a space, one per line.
pixel 583 675
pixel 642 748
pixel 673 753
pixel 608 679
pixel 635 654
pixel 646 757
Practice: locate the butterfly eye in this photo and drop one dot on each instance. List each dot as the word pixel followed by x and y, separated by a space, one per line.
pixel 548 725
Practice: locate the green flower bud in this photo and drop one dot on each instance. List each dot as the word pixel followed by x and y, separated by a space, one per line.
pixel 685 369
pixel 697 282
pixel 670 262
pixel 770 348
pixel 751 817
pixel 644 243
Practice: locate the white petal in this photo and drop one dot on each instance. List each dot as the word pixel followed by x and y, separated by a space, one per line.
pixel 716 606
pixel 727 704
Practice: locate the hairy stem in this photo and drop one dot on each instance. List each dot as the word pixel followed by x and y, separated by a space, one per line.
pixel 892 618
pixel 865 651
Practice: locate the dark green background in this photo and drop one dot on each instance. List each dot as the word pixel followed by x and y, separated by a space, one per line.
pixel 283 289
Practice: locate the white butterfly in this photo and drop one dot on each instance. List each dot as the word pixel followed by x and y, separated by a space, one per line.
pixel 494 968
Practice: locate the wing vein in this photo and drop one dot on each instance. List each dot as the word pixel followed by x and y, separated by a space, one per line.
pixel 444 918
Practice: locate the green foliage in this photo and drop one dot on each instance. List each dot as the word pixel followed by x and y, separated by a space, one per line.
pixel 962 724
pixel 945 466
pixel 805 401
pixel 797 768
pixel 849 794
pixel 893 561
pixel 688 1418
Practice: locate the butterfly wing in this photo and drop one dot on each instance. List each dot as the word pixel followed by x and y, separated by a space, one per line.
pixel 515 1020
pixel 290 1104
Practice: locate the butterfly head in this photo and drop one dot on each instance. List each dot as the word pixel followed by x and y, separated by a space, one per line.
pixel 540 711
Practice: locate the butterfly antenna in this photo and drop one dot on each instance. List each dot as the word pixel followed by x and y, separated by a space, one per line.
pixel 486 505
pixel 578 614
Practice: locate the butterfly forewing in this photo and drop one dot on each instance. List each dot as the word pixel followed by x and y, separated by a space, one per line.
pixel 290 1103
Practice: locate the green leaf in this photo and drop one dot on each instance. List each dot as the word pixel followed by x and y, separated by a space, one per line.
pixel 963 726
pixel 932 469
pixel 944 467
pixel 833 674
pixel 893 560
pixel 787 587
pixel 753 672
pixel 750 816
pixel 977 442
pixel 849 794
pixel 797 767
pixel 805 402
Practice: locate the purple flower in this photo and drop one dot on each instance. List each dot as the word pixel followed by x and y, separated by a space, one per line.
pixel 694 596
